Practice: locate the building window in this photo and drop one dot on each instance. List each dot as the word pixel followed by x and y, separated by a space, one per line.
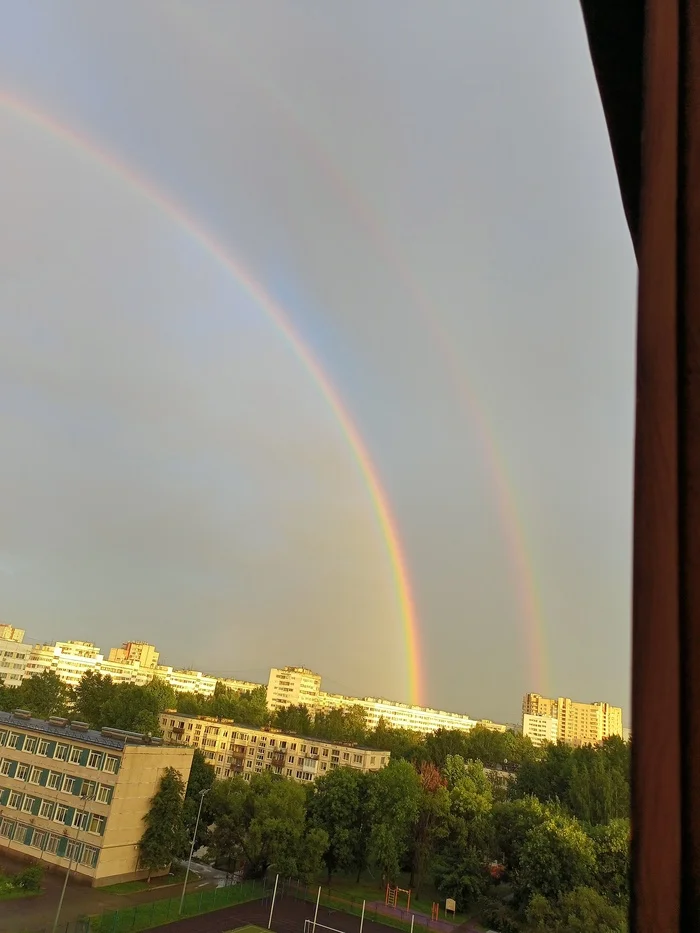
pixel 111 764
pixel 325 753
pixel 293 746
pixel 346 756
pixel 46 809
pixel 291 759
pixel 88 788
pixel 80 819
pixel 27 804
pixel 43 748
pixel 68 785
pixel 5 766
pixel 54 781
pixel 89 857
pixel 22 772
pixel 61 813
pixel 249 763
pixel 29 744
pixel 15 800
pixel 97 824
pixel 6 828
pixel 35 776
pixel 61 753
pixel 13 740
pixel 3 738
pixel 324 766
pixel 75 754
pixel 39 838
pixel 95 760
pixel 52 844
pixel 72 849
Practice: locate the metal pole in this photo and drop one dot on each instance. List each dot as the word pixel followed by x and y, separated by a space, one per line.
pixel 194 839
pixel 86 800
pixel 362 916
pixel 272 905
pixel 318 901
pixel 413 917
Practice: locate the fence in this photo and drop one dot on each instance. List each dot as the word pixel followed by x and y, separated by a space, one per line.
pixel 396 917
pixel 154 913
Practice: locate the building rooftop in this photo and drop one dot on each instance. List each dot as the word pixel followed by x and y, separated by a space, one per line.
pixel 59 727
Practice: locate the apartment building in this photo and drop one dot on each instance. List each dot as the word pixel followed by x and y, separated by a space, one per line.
pixel 69 660
pixel 13 656
pixel 236 749
pixel 10 633
pixel 577 723
pixel 398 715
pixel 139 652
pixel 540 729
pixel 75 798
pixel 292 686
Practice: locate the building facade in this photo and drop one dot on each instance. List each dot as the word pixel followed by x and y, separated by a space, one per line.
pixel 292 686
pixel 139 652
pixel 234 749
pixel 540 729
pixel 577 723
pixel 75 798
pixel 13 656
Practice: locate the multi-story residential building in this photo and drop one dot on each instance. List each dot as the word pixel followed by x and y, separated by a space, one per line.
pixel 292 686
pixel 10 633
pixel 13 656
pixel 69 660
pixel 236 749
pixel 135 652
pixel 75 797
pixel 577 723
pixel 399 715
pixel 540 729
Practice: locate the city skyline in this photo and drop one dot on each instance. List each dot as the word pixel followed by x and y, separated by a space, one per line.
pixel 291 358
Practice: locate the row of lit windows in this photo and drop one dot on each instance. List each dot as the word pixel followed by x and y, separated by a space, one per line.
pixel 48 842
pixel 32 745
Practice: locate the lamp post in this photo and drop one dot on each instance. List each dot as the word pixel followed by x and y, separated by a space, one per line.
pixel 194 839
pixel 86 800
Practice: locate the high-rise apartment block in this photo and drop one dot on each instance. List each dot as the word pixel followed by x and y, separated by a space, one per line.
pixel 235 749
pixel 577 723
pixel 135 651
pixel 75 797
pixel 13 656
pixel 10 633
pixel 292 686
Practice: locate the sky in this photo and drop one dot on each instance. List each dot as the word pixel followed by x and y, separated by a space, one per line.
pixel 426 194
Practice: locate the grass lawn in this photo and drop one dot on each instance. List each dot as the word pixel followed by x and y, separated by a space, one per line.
pixel 131 887
pixel 16 895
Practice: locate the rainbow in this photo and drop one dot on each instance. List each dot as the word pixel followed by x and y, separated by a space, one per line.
pixel 179 215
pixel 530 616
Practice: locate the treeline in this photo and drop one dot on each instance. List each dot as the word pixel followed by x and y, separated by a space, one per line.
pixel 533 853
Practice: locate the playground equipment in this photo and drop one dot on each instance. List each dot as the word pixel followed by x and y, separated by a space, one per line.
pixel 392 896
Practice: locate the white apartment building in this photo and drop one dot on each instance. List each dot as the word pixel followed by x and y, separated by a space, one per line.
pixel 400 715
pixel 10 633
pixel 292 686
pixel 234 749
pixel 540 729
pixel 13 658
pixel 69 660
pixel 135 651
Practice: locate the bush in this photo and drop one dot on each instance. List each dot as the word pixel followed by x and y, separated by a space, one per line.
pixel 30 879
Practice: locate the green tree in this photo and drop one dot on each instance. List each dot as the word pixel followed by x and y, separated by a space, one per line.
pixel 613 864
pixel 336 805
pixel 393 804
pixel 44 695
pixel 262 824
pixel 202 776
pixel 91 694
pixel 133 708
pixel 402 743
pixel 513 820
pixel 164 695
pixel 431 825
pixel 582 910
pixel 295 719
pixel 443 744
pixel 557 857
pixel 164 836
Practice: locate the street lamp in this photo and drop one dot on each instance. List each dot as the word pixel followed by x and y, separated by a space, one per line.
pixel 194 839
pixel 86 800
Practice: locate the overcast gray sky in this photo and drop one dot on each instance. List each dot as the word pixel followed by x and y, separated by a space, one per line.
pixel 427 191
